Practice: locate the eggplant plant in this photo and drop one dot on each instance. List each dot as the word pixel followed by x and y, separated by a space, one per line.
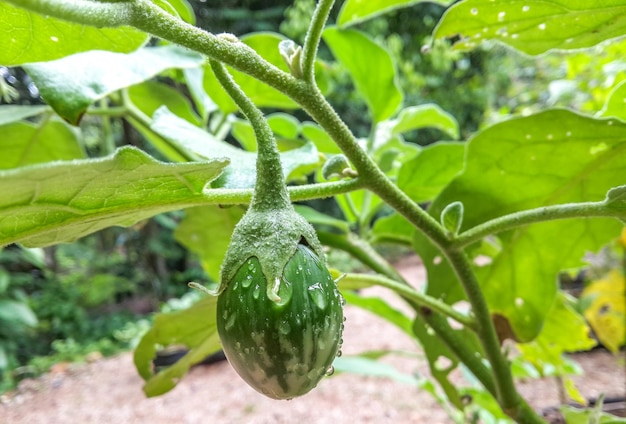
pixel 507 210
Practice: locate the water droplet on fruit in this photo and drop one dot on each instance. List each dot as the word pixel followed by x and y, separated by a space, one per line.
pixel 316 293
pixel 257 292
pixel 339 353
pixel 330 371
pixel 230 323
pixel 312 375
pixel 284 328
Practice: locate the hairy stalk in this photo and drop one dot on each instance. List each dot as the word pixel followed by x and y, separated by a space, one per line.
pixel 410 293
pixel 270 192
pixel 459 347
pixel 363 252
pixel 548 213
pixel 312 39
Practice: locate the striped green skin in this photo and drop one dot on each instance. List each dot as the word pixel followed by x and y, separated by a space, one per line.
pixel 282 349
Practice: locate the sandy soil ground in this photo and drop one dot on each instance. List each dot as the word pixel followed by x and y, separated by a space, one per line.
pixel 109 390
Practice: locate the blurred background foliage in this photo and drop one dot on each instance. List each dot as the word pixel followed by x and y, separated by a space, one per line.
pixel 67 301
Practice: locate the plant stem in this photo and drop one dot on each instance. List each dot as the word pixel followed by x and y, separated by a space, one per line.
pixel 312 39
pixel 362 251
pixel 460 347
pixel 547 213
pixel 410 293
pixel 270 192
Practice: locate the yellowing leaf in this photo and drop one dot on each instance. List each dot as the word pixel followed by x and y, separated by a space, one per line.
pixel 607 311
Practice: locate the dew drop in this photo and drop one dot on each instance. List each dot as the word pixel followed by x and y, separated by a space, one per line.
pixel 257 292
pixel 525 8
pixel 230 323
pixel 501 16
pixel 339 353
pixel 284 328
pixel 474 11
pixel 316 293
pixel 330 371
pixel 542 26
pixel 246 283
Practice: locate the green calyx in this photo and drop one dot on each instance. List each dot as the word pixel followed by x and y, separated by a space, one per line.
pixel 271 236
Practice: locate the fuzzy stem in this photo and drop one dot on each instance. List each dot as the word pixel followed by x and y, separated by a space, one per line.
pixel 459 347
pixel 410 293
pixel 270 192
pixel 312 39
pixel 362 251
pixel 548 213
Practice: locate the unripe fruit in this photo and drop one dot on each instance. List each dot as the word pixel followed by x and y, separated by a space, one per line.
pixel 282 347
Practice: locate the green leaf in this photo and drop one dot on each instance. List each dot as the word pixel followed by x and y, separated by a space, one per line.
pixel 72 84
pixel 30 37
pixel 534 26
pixel 452 217
pixel 266 45
pixel 425 116
pixel 181 8
pixel 151 95
pixel 62 201
pixel 355 11
pixel 318 218
pixel 565 330
pixel 371 68
pixel 13 113
pixel 194 328
pixel 324 143
pixel 614 106
pixel 583 416
pixel 206 231
pixel 26 144
pixel 549 158
pixel 241 171
pixel 286 129
pixel 379 307
pixel 394 228
pixel 423 177
pixel 16 313
pixel 372 368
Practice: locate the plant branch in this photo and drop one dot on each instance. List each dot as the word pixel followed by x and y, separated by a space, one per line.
pixel 410 293
pixel 312 39
pixel 270 192
pixel 362 251
pixel 548 213
pixel 459 346
pixel 223 196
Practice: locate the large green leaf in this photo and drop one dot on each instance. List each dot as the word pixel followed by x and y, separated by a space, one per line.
pixel 371 68
pixel 423 177
pixel 241 171
pixel 73 83
pixel 13 312
pixel 534 26
pixel 355 11
pixel 62 201
pixel 13 113
pixel 30 37
pixel 425 116
pixel 565 330
pixel 151 95
pixel 614 106
pixel 194 328
pixel 206 231
pixel 550 158
pixel 266 45
pixel 25 143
